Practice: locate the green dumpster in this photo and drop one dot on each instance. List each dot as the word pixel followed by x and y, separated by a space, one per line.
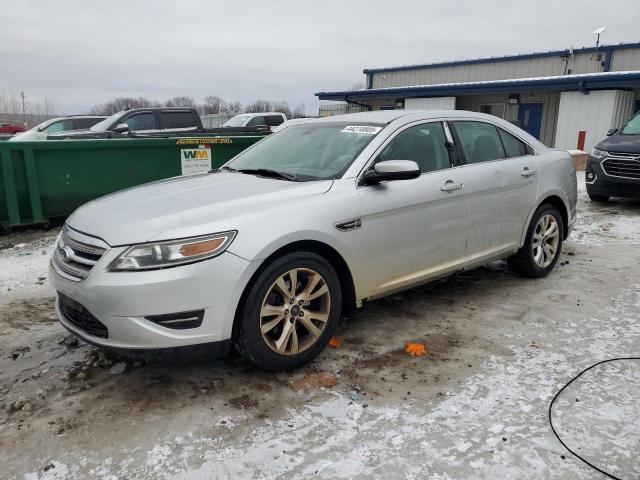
pixel 43 180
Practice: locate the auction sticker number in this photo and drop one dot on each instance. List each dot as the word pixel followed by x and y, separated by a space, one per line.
pixel 195 160
pixel 365 129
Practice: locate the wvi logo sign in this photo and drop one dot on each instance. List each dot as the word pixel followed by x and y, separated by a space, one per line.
pixel 195 160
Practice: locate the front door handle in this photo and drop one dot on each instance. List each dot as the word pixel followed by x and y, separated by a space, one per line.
pixel 528 172
pixel 450 186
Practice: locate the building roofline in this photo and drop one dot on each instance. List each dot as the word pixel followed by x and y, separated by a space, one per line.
pixel 523 56
pixel 582 82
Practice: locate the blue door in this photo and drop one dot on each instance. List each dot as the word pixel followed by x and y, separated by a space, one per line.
pixel 530 118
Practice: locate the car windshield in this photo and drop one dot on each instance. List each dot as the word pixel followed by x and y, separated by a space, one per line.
pixel 312 151
pixel 632 127
pixel 106 123
pixel 236 121
pixel 41 126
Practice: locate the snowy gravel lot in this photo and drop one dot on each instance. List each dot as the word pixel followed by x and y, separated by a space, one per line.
pixel 499 347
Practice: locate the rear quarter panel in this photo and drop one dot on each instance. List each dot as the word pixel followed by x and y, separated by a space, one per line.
pixel 557 178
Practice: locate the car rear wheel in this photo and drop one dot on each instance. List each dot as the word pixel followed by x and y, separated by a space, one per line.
pixel 543 244
pixel 599 198
pixel 290 313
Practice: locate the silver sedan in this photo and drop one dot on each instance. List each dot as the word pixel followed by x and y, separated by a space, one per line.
pixel 270 251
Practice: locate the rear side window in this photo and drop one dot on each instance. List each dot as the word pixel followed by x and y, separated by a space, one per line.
pixel 141 121
pixel 257 122
pixel 274 120
pixel 424 144
pixel 179 120
pixel 480 141
pixel 512 146
pixel 86 122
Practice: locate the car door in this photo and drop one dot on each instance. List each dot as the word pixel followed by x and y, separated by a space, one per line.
pixel 497 188
pixel 416 228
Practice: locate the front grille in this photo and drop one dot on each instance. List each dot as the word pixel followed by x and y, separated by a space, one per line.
pixel 73 258
pixel 624 165
pixel 79 316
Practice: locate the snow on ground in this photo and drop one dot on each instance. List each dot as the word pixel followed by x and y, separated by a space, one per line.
pixel 476 406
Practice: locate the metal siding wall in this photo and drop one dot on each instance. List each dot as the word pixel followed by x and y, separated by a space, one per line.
pixel 622 109
pixel 500 70
pixel 624 60
pixel 434 103
pixel 594 113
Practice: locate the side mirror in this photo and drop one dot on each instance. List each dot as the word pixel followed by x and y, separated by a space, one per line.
pixel 392 170
pixel 612 131
pixel 121 128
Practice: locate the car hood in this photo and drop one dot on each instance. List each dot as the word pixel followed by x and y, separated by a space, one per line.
pixel 186 206
pixel 620 143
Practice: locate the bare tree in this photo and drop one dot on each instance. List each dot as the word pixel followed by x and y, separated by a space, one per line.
pixel 122 103
pixel 298 112
pixel 213 104
pixel 234 107
pixel 180 101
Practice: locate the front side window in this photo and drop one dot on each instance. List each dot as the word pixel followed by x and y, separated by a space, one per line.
pixel 424 144
pixel 480 141
pixel 256 122
pixel 141 121
pixel 314 151
pixel 632 127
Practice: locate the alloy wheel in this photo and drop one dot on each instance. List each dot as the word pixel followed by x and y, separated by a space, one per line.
pixel 546 239
pixel 295 311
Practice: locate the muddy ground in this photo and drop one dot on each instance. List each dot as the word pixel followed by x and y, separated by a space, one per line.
pixel 499 347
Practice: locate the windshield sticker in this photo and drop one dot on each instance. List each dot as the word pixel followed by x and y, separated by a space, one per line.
pixel 365 129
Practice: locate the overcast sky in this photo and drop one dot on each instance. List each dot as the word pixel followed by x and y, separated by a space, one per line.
pixel 82 53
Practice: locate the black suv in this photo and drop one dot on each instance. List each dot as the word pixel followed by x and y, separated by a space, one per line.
pixel 144 121
pixel 613 169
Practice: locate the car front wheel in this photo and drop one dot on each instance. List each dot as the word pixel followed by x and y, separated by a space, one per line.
pixel 541 248
pixel 290 312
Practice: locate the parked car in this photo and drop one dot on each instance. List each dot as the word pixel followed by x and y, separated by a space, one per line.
pixel 269 252
pixel 140 121
pixel 613 169
pixel 10 128
pixel 57 125
pixel 268 119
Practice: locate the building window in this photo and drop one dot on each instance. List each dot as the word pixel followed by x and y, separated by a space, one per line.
pixel 495 109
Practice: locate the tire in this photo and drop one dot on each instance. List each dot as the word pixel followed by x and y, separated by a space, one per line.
pixel 599 198
pixel 289 339
pixel 533 260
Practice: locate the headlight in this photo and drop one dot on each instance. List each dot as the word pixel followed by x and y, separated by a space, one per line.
pixel 150 256
pixel 598 153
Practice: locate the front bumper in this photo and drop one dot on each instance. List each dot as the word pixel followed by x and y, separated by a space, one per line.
pixel 607 185
pixel 122 300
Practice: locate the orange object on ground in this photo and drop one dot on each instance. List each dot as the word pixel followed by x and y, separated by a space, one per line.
pixel 415 349
pixel 334 342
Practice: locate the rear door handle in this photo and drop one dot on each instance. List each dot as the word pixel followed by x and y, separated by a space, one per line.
pixel 528 172
pixel 450 186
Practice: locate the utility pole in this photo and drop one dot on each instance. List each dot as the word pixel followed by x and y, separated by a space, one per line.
pixel 24 114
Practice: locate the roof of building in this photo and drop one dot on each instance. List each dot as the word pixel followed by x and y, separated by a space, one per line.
pixel 523 56
pixel 582 82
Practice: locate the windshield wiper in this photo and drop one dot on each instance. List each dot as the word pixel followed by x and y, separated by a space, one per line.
pixel 221 169
pixel 265 172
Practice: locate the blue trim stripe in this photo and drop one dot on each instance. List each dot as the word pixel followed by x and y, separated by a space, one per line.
pixel 584 82
pixel 525 56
